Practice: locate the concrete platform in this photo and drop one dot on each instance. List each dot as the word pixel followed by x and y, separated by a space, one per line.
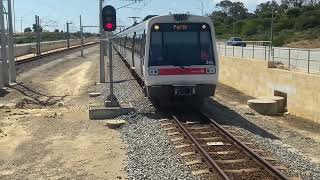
pixel 281 104
pixel 264 106
pixel 115 123
pixel 103 112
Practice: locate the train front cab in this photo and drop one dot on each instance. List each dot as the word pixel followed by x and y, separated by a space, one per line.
pixel 182 60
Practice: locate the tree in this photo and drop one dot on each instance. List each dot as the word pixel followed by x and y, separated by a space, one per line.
pixel 56 30
pixel 34 27
pixel 28 30
pixel 233 9
pixel 265 9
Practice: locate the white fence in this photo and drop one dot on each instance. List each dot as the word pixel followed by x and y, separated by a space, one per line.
pixel 286 58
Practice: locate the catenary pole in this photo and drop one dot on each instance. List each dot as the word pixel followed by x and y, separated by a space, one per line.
pixel 4 58
pixel 12 64
pixel 81 31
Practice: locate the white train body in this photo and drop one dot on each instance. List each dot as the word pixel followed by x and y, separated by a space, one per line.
pixel 174 55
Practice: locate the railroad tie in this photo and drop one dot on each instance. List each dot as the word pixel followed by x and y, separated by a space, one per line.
pixel 217 144
pixel 204 133
pixel 191 122
pixel 166 124
pixel 169 129
pixel 163 120
pixel 268 158
pixel 174 133
pixel 224 152
pixel 209 139
pixel 188 154
pixel 199 128
pixel 200 172
pixel 232 161
pixel 198 161
pixel 182 146
pixel 240 171
pixel 177 139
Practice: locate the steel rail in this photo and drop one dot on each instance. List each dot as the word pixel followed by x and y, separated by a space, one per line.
pixel 204 153
pixel 52 53
pixel 265 164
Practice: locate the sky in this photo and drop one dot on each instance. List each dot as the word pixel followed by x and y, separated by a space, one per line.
pixel 54 14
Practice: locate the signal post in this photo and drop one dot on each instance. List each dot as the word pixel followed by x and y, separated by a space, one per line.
pixel 112 108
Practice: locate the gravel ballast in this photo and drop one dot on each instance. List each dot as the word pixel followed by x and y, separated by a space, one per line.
pixel 151 155
pixel 238 120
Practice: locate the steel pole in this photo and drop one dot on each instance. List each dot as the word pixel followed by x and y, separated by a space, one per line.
pixel 38 34
pixel 12 64
pixel 102 65
pixel 81 31
pixel 272 16
pixel 1 80
pixel 111 72
pixel 68 36
pixel 5 76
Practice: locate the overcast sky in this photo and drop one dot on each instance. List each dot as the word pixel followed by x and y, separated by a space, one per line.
pixel 55 13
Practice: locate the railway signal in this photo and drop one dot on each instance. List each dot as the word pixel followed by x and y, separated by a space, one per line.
pixel 109 18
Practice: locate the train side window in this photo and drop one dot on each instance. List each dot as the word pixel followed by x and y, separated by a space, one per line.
pixel 156 48
pixel 133 47
pixel 207 53
pixel 143 43
pixel 125 41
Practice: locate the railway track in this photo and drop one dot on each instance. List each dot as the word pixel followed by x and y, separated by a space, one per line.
pixel 19 62
pixel 204 141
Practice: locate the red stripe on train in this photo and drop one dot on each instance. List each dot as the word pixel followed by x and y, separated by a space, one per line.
pixel 180 71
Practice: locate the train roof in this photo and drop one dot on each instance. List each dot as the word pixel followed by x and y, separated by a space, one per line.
pixel 178 17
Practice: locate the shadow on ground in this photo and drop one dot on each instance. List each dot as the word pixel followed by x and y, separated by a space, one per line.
pixel 36 98
pixel 225 116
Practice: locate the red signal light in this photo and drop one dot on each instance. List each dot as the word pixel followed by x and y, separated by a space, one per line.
pixel 109 25
pixel 109 19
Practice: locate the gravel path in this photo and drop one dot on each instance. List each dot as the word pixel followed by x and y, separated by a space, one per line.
pixel 151 155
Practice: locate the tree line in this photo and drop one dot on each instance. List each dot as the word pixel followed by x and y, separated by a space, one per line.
pixel 293 20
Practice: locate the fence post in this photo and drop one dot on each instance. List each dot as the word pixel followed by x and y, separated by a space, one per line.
pixel 253 51
pixel 242 52
pixel 225 49
pixel 272 54
pixel 233 51
pixel 265 53
pixel 269 53
pixel 289 59
pixel 308 61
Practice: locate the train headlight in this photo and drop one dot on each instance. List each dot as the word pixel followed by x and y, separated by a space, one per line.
pixel 153 72
pixel 204 26
pixel 157 27
pixel 211 70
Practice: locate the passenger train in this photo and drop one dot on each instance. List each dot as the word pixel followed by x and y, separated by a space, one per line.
pixel 175 56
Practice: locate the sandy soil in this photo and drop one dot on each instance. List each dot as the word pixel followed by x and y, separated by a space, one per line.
pixel 301 135
pixel 310 44
pixel 45 132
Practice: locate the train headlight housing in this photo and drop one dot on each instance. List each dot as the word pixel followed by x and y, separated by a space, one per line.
pixel 157 27
pixel 211 70
pixel 153 72
pixel 204 27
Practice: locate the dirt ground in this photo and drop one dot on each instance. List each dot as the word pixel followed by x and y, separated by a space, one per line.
pixel 314 43
pixel 45 132
pixel 301 135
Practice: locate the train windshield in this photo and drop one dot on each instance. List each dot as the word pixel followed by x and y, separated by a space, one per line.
pixel 181 45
